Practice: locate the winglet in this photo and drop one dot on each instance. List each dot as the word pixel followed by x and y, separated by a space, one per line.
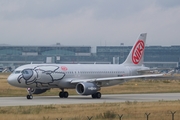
pixel 136 55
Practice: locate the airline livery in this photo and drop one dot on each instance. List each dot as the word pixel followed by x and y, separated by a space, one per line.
pixel 86 79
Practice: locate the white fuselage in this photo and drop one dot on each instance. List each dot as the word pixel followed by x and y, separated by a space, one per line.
pixel 61 75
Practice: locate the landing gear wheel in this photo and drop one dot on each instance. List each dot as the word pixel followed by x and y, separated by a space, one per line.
pixel 66 94
pixel 29 97
pixel 96 95
pixel 63 94
pixel 93 95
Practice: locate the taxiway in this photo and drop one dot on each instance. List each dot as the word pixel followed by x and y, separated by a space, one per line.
pixel 47 100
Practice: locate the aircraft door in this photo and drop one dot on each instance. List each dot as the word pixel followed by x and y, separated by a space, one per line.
pixel 39 74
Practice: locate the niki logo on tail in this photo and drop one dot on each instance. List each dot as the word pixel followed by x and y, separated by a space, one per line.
pixel 138 51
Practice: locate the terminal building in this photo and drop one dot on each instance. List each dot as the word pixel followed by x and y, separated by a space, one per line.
pixel 155 56
pixel 19 55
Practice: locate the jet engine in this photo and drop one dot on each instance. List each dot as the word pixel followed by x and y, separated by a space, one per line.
pixel 38 91
pixel 86 88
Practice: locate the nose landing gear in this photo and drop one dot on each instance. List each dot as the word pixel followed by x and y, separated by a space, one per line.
pixel 29 96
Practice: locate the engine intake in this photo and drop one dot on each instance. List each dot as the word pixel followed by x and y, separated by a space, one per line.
pixel 86 88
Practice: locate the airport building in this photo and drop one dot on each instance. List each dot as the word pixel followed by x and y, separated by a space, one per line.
pixel 19 55
pixel 155 56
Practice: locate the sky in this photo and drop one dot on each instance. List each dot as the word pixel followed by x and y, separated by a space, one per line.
pixel 89 22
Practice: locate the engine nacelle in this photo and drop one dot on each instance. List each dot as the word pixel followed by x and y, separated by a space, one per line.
pixel 38 91
pixel 86 88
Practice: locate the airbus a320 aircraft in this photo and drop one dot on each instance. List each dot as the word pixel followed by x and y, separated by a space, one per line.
pixel 87 79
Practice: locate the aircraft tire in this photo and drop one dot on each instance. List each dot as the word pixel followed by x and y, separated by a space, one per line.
pixel 66 94
pixel 93 96
pixel 61 95
pixel 29 97
pixel 96 95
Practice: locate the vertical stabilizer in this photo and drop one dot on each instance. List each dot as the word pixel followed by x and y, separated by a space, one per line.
pixel 136 55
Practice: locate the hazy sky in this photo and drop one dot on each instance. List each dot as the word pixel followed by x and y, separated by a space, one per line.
pixel 89 22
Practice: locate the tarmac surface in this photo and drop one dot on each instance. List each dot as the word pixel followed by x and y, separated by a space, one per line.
pixel 47 100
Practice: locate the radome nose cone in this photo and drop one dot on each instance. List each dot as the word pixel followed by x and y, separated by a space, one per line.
pixel 12 81
pixel 9 79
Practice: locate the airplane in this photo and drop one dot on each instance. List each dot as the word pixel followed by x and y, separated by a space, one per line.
pixel 86 79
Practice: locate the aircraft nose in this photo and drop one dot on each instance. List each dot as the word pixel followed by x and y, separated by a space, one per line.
pixel 12 80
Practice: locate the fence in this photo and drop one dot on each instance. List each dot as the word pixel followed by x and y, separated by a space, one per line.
pixel 111 116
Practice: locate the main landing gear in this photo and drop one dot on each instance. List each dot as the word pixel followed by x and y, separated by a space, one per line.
pixel 96 95
pixel 29 96
pixel 63 94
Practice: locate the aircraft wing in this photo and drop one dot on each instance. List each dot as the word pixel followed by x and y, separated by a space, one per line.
pixel 117 78
pixel 153 70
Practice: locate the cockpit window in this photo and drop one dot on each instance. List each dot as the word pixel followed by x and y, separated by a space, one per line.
pixel 25 72
pixel 17 72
